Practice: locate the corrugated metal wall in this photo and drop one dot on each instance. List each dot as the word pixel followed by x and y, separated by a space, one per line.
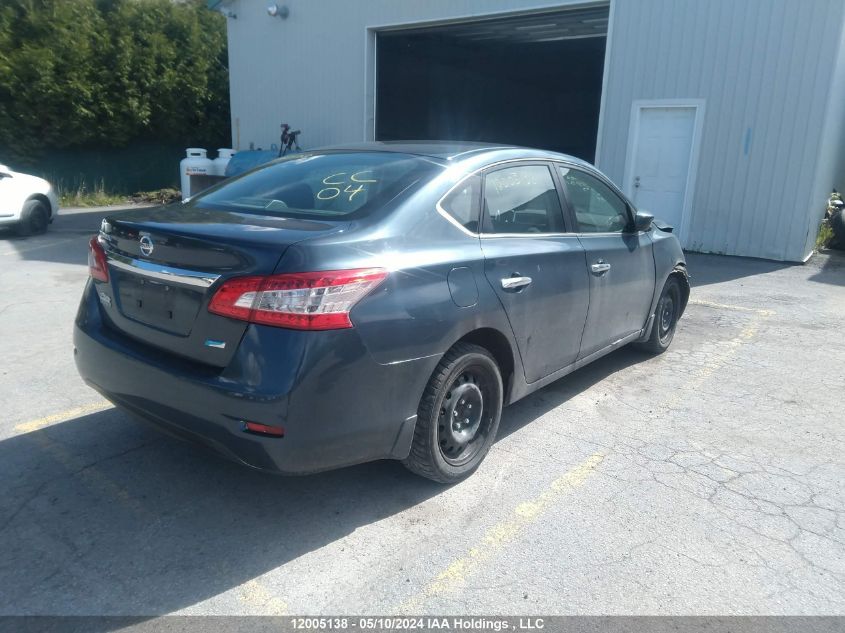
pixel 763 67
pixel 312 68
pixel 830 170
pixel 765 70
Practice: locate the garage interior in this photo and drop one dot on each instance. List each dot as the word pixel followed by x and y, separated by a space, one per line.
pixel 532 79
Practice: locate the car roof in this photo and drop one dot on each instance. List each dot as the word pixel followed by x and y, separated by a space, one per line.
pixel 447 150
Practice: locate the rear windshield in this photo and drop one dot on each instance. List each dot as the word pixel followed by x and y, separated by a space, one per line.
pixel 339 186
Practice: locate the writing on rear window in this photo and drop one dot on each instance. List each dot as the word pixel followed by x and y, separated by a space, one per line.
pixel 355 184
pixel 333 185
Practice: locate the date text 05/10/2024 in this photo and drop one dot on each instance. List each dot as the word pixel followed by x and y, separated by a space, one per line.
pixel 418 623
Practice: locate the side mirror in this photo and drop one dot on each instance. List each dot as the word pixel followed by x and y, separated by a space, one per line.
pixel 643 221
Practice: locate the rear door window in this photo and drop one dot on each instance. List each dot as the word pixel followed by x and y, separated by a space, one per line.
pixel 521 199
pixel 342 185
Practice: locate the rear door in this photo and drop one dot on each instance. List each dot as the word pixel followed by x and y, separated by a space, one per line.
pixel 619 262
pixel 535 267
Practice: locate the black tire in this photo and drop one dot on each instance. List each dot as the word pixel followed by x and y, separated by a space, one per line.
pixel 450 440
pixel 35 218
pixel 666 316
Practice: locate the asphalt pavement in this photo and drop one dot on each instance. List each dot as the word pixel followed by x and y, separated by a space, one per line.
pixel 708 480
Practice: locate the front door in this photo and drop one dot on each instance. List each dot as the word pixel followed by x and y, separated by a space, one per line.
pixel 661 162
pixel 535 267
pixel 619 261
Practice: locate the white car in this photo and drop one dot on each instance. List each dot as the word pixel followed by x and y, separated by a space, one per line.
pixel 27 202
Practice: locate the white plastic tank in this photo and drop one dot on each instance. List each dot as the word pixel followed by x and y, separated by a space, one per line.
pixel 224 155
pixel 196 163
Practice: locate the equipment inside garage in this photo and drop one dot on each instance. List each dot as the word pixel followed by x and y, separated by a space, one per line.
pixel 533 80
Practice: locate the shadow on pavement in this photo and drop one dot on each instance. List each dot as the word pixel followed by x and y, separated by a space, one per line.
pixel 101 515
pixel 537 404
pixel 715 269
pixel 66 241
pixel 831 268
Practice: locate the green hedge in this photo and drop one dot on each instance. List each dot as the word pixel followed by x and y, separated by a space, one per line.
pixel 109 73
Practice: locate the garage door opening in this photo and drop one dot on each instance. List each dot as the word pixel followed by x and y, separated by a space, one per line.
pixel 531 80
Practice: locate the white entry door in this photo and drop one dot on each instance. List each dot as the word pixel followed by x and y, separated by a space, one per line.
pixel 659 176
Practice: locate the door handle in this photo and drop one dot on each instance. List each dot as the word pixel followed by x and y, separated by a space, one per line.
pixel 510 283
pixel 600 267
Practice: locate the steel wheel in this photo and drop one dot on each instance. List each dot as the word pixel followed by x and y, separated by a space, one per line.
pixel 667 314
pixel 458 415
pixel 462 423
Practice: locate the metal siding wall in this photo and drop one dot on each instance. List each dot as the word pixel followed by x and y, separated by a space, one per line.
pixel 311 69
pixel 766 65
pixel 830 168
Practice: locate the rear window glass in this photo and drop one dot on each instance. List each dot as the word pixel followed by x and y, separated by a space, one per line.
pixel 344 185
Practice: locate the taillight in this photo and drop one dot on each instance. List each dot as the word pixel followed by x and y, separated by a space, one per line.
pixel 263 429
pixel 303 301
pixel 98 268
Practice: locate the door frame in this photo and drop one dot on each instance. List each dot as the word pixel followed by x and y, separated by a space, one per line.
pixel 372 31
pixel 637 107
pixel 567 228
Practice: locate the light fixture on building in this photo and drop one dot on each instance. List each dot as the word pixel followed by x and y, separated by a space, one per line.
pixel 276 11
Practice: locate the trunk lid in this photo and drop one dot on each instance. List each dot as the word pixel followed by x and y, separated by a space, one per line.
pixel 165 264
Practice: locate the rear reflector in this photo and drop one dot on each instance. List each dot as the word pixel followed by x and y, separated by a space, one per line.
pixel 302 301
pixel 264 429
pixel 98 268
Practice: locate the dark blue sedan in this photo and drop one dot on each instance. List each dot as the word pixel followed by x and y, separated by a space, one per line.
pixel 378 301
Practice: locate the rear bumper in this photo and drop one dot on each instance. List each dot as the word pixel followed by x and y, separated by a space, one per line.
pixel 337 405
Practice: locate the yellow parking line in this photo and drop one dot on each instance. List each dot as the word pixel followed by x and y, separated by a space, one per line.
pixel 500 535
pixel 526 513
pixel 252 592
pixel 40 423
pixel 725 306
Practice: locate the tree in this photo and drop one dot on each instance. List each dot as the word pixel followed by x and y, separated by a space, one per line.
pixel 102 73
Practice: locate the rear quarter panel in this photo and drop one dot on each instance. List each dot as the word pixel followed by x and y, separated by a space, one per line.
pixel 413 314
